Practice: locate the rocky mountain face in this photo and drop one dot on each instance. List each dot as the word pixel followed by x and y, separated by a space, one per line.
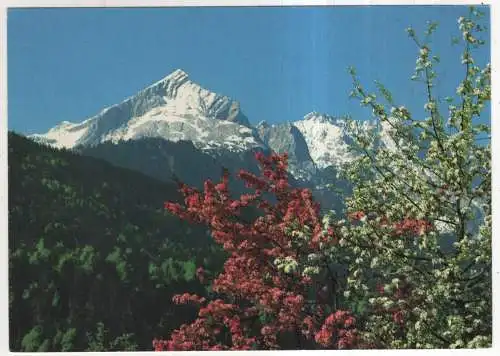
pixel 286 137
pixel 175 127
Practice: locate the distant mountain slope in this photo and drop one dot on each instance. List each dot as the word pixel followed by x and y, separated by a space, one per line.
pixel 167 160
pixel 90 243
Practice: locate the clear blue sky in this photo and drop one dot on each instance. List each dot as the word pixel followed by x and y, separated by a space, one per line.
pixel 280 63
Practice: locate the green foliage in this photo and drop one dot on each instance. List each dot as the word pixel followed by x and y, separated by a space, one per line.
pixel 31 341
pixel 189 268
pixel 99 341
pixel 68 340
pixel 90 243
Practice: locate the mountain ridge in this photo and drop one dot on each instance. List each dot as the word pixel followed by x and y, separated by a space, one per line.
pixel 176 109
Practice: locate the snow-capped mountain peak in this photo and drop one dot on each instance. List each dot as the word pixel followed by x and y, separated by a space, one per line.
pixel 177 75
pixel 174 108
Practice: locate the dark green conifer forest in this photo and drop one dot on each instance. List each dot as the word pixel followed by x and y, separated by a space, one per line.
pixel 94 260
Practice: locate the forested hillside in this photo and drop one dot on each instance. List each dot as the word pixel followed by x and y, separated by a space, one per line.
pixel 93 258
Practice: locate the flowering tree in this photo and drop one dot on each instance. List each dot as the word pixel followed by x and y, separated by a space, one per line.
pixel 418 239
pixel 275 287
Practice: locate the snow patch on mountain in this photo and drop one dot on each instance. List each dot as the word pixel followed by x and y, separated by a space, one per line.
pixel 64 135
pixel 326 139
